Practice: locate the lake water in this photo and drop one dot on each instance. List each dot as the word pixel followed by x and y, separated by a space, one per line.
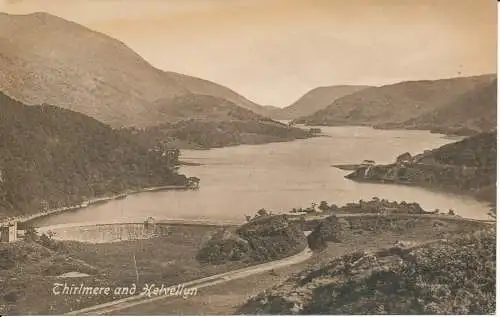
pixel 237 181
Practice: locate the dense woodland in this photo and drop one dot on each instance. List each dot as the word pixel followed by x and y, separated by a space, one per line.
pixel 203 134
pixel 51 157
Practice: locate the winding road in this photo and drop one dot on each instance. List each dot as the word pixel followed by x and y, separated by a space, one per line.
pixel 128 302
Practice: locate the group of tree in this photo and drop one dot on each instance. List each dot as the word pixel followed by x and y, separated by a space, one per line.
pixel 375 205
pixel 52 157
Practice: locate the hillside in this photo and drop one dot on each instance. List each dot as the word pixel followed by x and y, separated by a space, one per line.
pixel 314 100
pixel 46 59
pixel 472 112
pixel 204 107
pixel 449 276
pixel 206 134
pixel 397 103
pixel 468 166
pixel 52 157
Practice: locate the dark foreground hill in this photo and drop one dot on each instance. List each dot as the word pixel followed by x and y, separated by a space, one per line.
pixel 467 166
pixel 413 101
pixel 46 59
pixel 264 238
pixel 448 276
pixel 52 157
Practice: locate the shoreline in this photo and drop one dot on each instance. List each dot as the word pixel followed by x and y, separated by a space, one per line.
pixel 441 189
pixel 446 134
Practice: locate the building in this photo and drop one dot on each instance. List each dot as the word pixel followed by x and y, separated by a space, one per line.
pixel 8 232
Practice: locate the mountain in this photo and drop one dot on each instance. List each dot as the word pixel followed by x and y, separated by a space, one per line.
pixel 48 60
pixel 52 157
pixel 314 100
pixel 397 103
pixel 473 112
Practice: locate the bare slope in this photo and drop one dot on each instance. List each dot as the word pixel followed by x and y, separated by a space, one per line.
pixel 395 103
pixel 314 100
pixel 46 59
pixel 475 111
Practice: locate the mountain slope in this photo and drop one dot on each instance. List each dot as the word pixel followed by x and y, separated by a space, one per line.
pixel 315 100
pixel 204 107
pixel 392 104
pixel 475 111
pixel 46 59
pixel 54 157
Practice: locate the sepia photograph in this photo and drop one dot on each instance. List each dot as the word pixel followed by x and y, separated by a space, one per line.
pixel 248 157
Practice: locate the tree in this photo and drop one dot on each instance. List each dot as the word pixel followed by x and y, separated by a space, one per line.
pixel 451 212
pixel 323 206
pixel 30 233
pixel 313 206
pixel 194 182
pixel 262 212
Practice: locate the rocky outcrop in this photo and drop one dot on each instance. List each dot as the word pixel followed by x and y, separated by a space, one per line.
pixel 223 246
pixel 329 230
pixel 264 238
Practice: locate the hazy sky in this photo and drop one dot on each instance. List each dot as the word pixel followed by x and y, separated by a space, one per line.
pixel 273 51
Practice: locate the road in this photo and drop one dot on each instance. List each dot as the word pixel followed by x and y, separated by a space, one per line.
pixel 121 304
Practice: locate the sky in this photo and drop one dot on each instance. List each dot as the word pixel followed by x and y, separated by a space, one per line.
pixel 274 51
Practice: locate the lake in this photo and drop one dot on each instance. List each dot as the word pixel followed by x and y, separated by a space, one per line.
pixel 237 181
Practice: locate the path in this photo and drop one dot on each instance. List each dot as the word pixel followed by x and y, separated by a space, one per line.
pixel 121 304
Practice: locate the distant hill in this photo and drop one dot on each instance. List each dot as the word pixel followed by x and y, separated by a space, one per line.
pixel 397 103
pixel 314 100
pixel 52 157
pixel 472 112
pixel 204 107
pixel 46 59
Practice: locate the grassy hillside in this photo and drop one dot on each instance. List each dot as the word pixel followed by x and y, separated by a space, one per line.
pixel 52 157
pixel 450 276
pixel 46 59
pixel 315 100
pixel 397 103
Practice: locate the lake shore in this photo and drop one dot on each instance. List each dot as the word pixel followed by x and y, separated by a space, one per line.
pixel 95 201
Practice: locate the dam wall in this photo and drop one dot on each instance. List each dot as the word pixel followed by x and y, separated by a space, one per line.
pixel 114 232
pixel 105 233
